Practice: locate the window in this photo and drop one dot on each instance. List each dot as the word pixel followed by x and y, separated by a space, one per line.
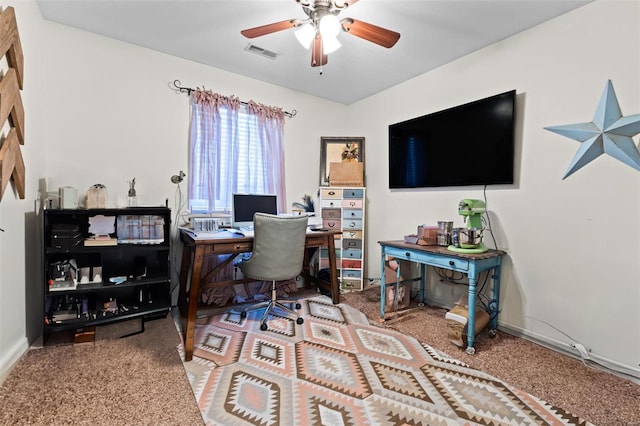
pixel 235 148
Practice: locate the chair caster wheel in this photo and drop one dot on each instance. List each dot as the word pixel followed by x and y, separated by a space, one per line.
pixel 243 315
pixel 471 350
pixel 492 333
pixel 299 320
pixel 298 306
pixel 263 326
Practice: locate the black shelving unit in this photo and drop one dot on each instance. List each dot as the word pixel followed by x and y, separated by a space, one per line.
pixel 140 257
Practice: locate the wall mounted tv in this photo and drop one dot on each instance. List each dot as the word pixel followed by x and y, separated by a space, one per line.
pixel 470 144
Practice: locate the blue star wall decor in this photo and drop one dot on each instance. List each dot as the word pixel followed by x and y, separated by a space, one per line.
pixel 609 133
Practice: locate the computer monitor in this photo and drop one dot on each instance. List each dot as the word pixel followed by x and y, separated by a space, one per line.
pixel 245 205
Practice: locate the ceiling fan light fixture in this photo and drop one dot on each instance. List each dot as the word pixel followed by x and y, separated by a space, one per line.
pixel 329 26
pixel 305 35
pixel 330 44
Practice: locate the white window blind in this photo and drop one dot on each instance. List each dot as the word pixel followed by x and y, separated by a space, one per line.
pixel 239 162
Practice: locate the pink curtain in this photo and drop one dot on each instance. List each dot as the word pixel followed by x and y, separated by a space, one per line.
pixel 234 147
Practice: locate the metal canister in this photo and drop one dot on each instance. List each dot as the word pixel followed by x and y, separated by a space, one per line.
pixel 456 237
pixel 444 238
pixel 445 226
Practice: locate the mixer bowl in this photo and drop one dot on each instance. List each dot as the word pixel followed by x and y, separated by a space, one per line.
pixel 469 237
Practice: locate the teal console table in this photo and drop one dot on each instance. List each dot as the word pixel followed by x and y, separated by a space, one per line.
pixel 470 264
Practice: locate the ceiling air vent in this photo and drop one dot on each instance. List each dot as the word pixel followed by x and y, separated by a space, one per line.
pixel 260 51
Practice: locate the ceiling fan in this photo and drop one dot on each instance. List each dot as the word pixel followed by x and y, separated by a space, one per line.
pixel 320 30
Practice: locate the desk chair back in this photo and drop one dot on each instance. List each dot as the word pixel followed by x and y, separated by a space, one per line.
pixel 278 247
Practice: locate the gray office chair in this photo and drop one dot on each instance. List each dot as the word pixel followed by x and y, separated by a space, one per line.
pixel 278 253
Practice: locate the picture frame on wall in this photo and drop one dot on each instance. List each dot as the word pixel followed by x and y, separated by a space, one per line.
pixel 339 149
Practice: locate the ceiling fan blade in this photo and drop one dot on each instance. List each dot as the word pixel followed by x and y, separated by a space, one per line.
pixel 370 32
pixel 317 58
pixel 270 28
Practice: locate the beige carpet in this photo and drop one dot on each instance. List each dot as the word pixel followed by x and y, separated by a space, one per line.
pixel 138 380
pixel 337 369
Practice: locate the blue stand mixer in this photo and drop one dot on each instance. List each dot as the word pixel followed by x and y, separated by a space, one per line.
pixel 469 239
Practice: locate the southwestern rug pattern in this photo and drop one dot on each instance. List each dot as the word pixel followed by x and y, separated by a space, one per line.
pixel 337 369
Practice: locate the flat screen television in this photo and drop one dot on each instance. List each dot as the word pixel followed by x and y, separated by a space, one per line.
pixel 245 205
pixel 470 144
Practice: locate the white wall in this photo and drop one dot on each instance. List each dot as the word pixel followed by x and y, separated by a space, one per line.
pixel 100 111
pixel 572 245
pixel 19 244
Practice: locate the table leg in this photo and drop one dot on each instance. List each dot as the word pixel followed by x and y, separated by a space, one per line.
pixel 333 270
pixel 192 311
pixel 306 270
pixel 185 265
pixel 383 286
pixel 471 320
pixel 423 282
pixel 493 306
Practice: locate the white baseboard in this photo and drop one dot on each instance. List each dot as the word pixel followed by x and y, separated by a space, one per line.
pixel 11 358
pixel 627 372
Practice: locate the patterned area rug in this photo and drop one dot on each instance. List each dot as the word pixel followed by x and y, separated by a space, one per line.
pixel 337 369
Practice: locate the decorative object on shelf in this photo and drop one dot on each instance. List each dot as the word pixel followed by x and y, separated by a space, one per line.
pixel 68 196
pixel 307 205
pixel 349 150
pixel 96 197
pixel 11 108
pixel 131 196
pixel 609 133
pixel 350 153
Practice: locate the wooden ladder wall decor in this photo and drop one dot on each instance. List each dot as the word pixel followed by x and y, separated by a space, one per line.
pixel 11 162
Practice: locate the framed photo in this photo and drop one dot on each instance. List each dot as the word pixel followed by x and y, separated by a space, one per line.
pixel 338 149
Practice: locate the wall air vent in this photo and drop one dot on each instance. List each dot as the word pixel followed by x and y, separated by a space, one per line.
pixel 260 51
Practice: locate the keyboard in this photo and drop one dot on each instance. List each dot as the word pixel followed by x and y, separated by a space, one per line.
pixel 245 229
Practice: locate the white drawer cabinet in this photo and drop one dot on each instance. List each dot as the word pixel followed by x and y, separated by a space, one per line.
pixel 343 208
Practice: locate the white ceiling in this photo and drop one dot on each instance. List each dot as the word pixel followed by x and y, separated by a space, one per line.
pixel 433 33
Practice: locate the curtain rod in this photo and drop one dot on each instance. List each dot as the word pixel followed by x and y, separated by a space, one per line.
pixel 188 90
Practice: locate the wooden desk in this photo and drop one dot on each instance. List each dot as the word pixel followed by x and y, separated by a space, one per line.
pixel 196 250
pixel 440 257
